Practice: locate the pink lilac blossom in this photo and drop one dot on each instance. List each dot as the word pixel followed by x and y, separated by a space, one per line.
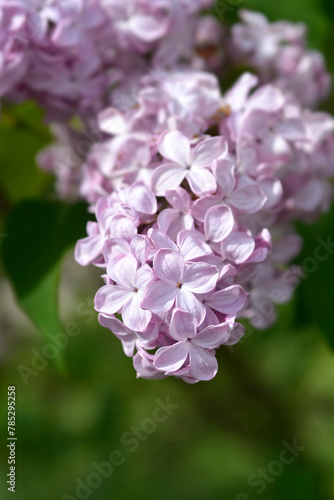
pixel 278 53
pixel 216 243
pixel 195 190
pixel 157 283
pixel 67 54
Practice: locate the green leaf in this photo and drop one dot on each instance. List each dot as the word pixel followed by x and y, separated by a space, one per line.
pixel 38 234
pixel 22 135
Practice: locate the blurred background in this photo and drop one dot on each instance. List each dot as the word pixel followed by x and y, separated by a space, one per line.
pixel 221 439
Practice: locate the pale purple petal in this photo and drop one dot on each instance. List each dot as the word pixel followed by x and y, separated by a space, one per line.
pixel 224 172
pixel 141 247
pixel 191 247
pixel 201 180
pixel 168 265
pixel 183 325
pixel 134 316
pixel 200 278
pixel 268 98
pixel 115 326
pixel 272 188
pixel 236 334
pixel 202 205
pixel 122 227
pixel 175 147
pixel 159 297
pixel 161 240
pixel 87 249
pixel 178 199
pixel 213 336
pixel 238 247
pixel 218 223
pixel 237 96
pixel 111 121
pixel 203 364
pixel 143 364
pixel 110 299
pixel 142 199
pixel 122 269
pixel 227 301
pixel 171 358
pixel 166 177
pixel 145 27
pixel 207 151
pixel 248 199
pixel 188 302
pixel 144 277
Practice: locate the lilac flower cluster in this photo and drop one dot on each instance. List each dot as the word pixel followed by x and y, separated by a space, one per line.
pixel 67 54
pixel 197 229
pixel 175 295
pixel 278 53
pixel 195 190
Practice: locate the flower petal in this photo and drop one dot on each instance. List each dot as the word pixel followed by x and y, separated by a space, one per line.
pixel 159 297
pixel 227 301
pixel 175 147
pixel 168 265
pixel 207 151
pixel 236 334
pixel 183 325
pixel 238 247
pixel 248 199
pixel 188 302
pixel 134 316
pixel 238 94
pixel 201 180
pixel 111 121
pixel 171 358
pixel 218 223
pixel 200 278
pixel 213 336
pixel 203 364
pixel 88 249
pixel 224 173
pixel 166 177
pixel 161 240
pixel 272 188
pixel 122 269
pixel 110 299
pixel 142 199
pixel 191 247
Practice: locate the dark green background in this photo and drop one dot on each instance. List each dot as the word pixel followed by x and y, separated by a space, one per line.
pixel 275 386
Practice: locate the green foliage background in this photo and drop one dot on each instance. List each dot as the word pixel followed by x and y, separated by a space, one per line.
pixel 275 386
